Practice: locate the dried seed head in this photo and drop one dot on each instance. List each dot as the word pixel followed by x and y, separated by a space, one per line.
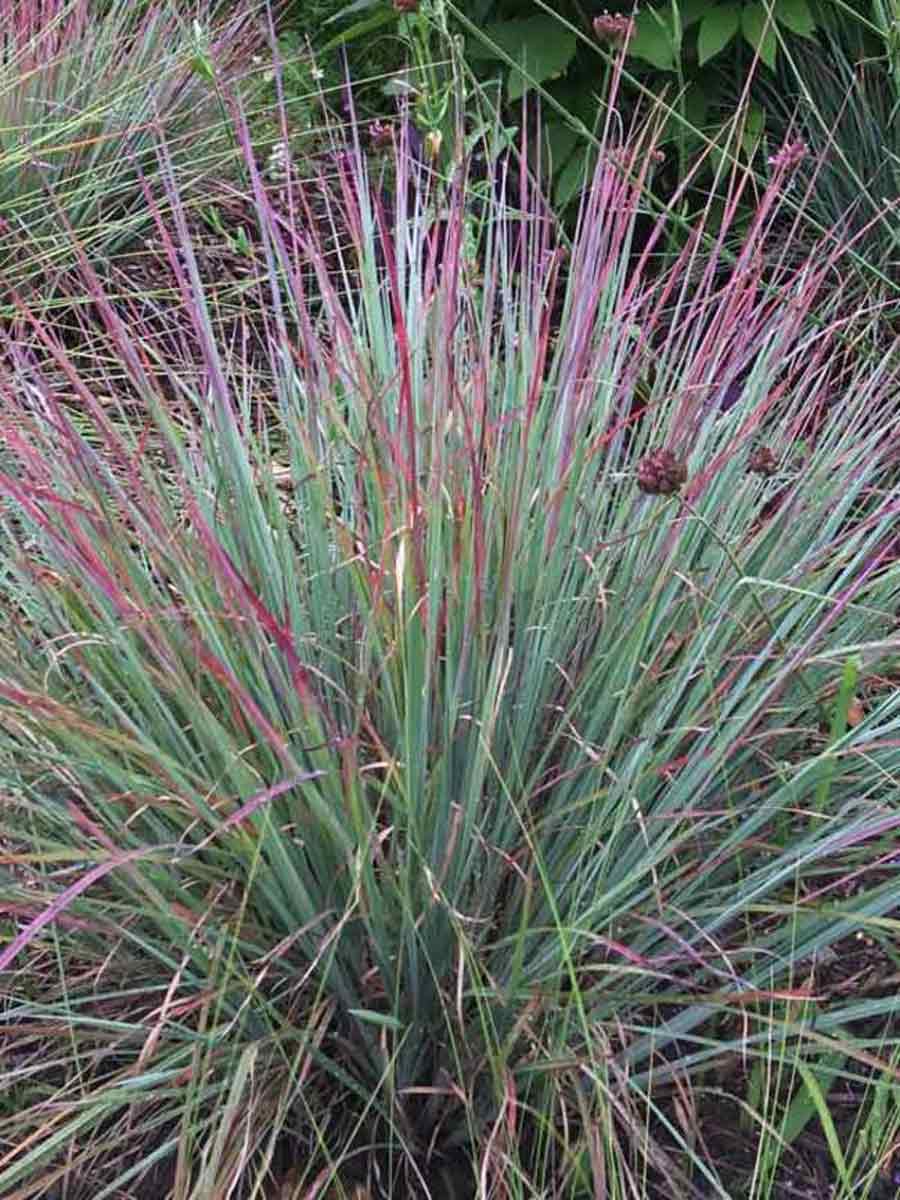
pixel 660 473
pixel 762 462
pixel 615 28
pixel 380 134
pixel 790 154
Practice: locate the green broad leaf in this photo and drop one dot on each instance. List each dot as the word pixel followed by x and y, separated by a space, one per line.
pixel 478 50
pixel 559 142
pixel 580 102
pixel 696 106
pixel 717 29
pixel 754 127
pixel 654 38
pixel 691 11
pixel 540 45
pixel 796 16
pixel 696 112
pixel 759 30
pixel 574 176
pixel 387 17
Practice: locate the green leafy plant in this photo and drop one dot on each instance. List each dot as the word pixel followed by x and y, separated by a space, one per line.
pixel 358 42
pixel 691 50
pixel 238 241
pixel 426 86
pixel 713 28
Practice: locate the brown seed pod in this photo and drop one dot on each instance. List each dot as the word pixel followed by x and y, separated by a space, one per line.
pixel 762 462
pixel 661 473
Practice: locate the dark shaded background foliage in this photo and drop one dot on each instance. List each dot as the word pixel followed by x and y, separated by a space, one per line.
pixel 698 55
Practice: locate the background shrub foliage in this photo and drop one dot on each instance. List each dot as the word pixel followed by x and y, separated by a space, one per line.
pixel 692 52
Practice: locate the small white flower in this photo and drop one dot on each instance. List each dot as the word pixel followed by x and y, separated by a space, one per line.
pixel 279 163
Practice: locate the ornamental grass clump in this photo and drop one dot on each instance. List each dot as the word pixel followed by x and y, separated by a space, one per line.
pixel 84 94
pixel 396 798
